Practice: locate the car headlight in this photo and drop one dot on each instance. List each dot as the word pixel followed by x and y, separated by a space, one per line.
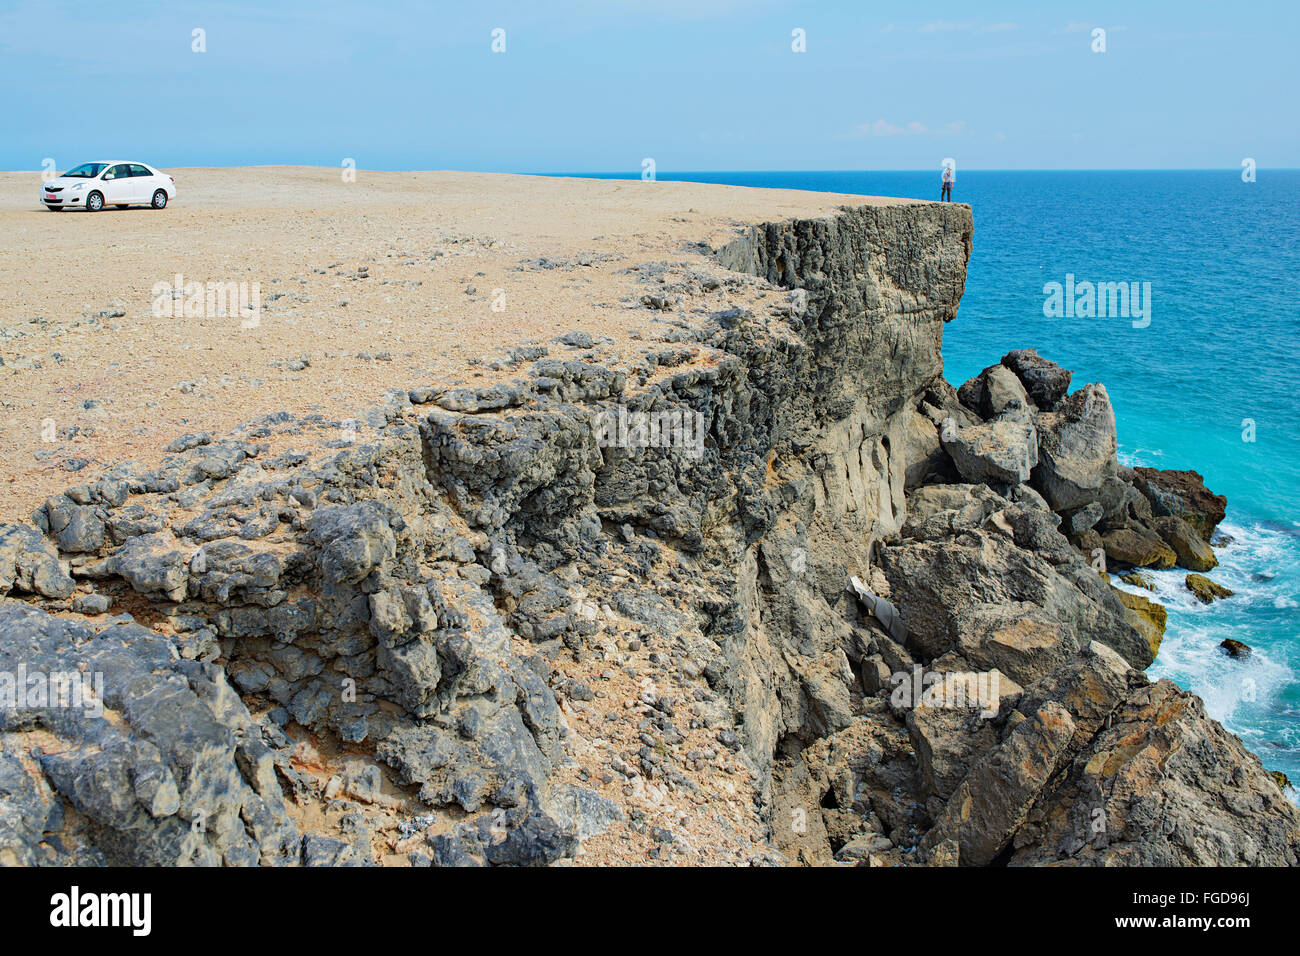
pixel 78 186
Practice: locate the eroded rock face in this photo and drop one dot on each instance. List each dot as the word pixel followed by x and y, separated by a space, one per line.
pixel 436 594
pixel 158 756
pixel 1162 785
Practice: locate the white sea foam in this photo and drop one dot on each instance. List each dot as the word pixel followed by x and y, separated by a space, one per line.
pixel 1253 697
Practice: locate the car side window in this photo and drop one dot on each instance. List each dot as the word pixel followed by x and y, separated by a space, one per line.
pixel 118 172
pixel 138 170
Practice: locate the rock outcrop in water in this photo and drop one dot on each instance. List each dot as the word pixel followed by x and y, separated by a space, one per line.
pixel 430 594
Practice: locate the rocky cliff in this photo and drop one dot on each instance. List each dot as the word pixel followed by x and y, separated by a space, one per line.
pixel 607 599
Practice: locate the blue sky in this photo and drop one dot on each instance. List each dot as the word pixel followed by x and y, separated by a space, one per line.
pixel 597 85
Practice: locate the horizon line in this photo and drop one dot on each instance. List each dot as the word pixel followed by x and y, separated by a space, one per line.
pixel 634 173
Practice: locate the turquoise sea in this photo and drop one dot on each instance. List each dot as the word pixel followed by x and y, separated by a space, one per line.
pixel 1209 383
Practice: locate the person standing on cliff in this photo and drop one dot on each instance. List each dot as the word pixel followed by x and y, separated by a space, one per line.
pixel 949 177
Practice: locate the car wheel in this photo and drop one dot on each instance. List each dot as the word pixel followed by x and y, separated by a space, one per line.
pixel 94 202
pixel 160 199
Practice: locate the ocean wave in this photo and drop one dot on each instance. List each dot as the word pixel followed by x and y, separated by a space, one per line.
pixel 1257 698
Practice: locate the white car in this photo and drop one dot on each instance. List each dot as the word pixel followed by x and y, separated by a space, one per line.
pixel 92 186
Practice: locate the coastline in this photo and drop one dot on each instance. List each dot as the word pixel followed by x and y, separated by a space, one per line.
pixel 475 531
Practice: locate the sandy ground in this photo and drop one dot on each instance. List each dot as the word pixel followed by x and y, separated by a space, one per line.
pixel 388 281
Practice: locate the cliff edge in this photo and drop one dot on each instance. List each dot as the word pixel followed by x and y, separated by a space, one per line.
pixel 599 608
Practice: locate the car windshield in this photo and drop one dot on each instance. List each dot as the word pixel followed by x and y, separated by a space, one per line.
pixel 86 170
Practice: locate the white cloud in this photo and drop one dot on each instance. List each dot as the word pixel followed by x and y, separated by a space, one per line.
pixel 883 127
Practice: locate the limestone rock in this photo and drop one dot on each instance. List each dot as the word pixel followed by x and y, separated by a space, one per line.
pixel 1076 450
pixel 1148 617
pixel 995 798
pixel 28 563
pixel 1001 452
pixel 1045 382
pixel 1182 494
pixel 1206 591
pixel 1162 785
pixel 1192 551
pixel 1128 546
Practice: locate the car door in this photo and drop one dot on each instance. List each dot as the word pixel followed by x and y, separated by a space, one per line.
pixel 116 184
pixel 142 183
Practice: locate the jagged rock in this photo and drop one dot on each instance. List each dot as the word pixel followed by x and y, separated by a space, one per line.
pixel 77 528
pixel 926 458
pixel 1182 494
pixel 157 753
pixel 948 743
pixel 418 593
pixel 1138 580
pixel 1192 551
pixel 995 798
pixel 972 593
pixel 993 391
pixel 353 539
pixel 154 564
pixel 1205 590
pixel 28 563
pixel 1045 382
pixel 1235 648
pixel 1076 451
pixel 1002 452
pixel 1162 785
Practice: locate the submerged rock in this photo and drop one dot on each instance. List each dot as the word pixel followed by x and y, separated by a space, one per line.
pixel 1205 590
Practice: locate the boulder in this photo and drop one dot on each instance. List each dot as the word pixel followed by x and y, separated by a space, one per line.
pixel 28 563
pixel 972 593
pixel 993 801
pixel 1001 452
pixel 948 743
pixel 1076 451
pixel 1182 494
pixel 1138 580
pixel 1193 553
pixel 924 456
pixel 1161 784
pixel 1138 547
pixel 1045 382
pixel 1235 648
pixel 992 391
